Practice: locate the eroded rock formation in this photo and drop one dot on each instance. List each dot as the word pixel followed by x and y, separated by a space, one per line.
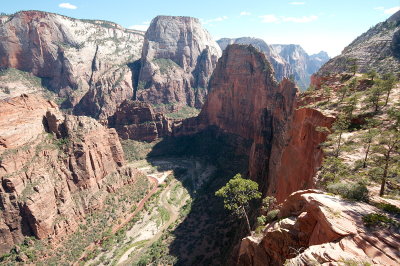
pixel 54 169
pixel 138 121
pixel 315 228
pixel 177 61
pixel 84 61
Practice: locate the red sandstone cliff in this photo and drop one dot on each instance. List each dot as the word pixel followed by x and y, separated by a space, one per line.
pixel 245 100
pixel 54 169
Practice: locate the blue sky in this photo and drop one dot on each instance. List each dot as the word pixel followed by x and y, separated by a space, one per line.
pixel 314 24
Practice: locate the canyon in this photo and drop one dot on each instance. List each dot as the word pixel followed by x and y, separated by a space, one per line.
pixel 95 167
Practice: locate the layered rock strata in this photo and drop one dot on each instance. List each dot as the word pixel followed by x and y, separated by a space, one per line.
pixel 87 62
pixel 54 169
pixel 177 61
pixel 138 121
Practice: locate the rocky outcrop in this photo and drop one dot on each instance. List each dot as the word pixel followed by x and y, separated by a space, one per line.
pixel 84 61
pixel 282 69
pixel 303 65
pixel 54 169
pixel 177 61
pixel 138 121
pixel 377 49
pixel 315 228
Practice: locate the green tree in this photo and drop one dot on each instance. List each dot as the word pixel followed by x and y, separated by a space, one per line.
pixel 394 115
pixel 327 92
pixel 343 92
pixel 331 170
pixel 350 106
pixel 387 150
pixel 374 96
pixel 368 137
pixel 353 67
pixel 372 74
pixel 389 80
pixel 341 125
pixel 237 194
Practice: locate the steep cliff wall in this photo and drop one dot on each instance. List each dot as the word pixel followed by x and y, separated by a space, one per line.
pixel 302 156
pixel 177 61
pixel 53 169
pixel 245 100
pixel 84 61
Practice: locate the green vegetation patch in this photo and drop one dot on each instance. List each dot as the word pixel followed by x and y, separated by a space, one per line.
pixel 165 64
pixel 379 220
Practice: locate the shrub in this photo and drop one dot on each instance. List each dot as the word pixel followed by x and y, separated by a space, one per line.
pixel 272 216
pixel 377 219
pixel 387 207
pixel 358 191
pixel 261 220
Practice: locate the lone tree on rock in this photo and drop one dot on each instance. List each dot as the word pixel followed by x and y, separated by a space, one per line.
pixel 237 194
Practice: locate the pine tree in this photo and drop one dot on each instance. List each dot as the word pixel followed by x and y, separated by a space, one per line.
pixel 237 194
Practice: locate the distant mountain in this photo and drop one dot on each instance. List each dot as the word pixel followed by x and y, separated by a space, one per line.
pixel 378 49
pixel 287 59
pixel 281 67
pixel 303 65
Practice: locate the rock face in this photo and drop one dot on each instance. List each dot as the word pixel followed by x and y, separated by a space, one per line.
pixel 303 65
pixel 84 61
pixel 302 156
pixel 54 169
pixel 281 67
pixel 377 49
pixel 315 228
pixel 177 61
pixel 245 100
pixel 138 121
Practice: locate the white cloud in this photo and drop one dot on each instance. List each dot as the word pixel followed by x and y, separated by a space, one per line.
pixel 303 19
pixel 143 27
pixel 275 19
pixel 392 10
pixel 67 6
pixel 245 13
pixel 388 11
pixel 297 3
pixel 218 19
pixel 269 18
